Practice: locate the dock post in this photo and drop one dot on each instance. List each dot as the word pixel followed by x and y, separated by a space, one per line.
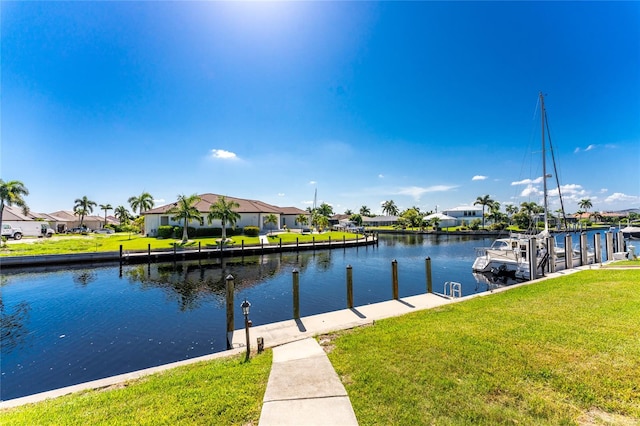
pixel 121 254
pixel 394 278
pixel 280 244
pixel 597 248
pixel 149 253
pixel 349 287
pixel 296 294
pixel 199 250
pixel 296 243
pixel 533 259
pixel 620 241
pixel 608 244
pixel 230 327
pixel 329 241
pixel 427 262
pixel 242 249
pixel 584 259
pixel 174 251
pixel 551 253
pixel 568 252
pixel 313 239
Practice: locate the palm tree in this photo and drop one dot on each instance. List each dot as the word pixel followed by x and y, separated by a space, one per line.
pixel 11 193
pixel 585 204
pixel 224 210
pixel 356 218
pixel 322 222
pixel 484 202
pixel 185 210
pixel 530 209
pixel 389 208
pixel 302 219
pixel 271 219
pixel 325 210
pixel 348 212
pixel 105 207
pixel 83 207
pixel 142 203
pixel 365 211
pixel 122 214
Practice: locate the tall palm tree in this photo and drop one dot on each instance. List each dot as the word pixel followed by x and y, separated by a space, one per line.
pixel 11 193
pixel 122 214
pixel 389 208
pixel 83 207
pixel 530 209
pixel 365 211
pixel 325 210
pixel 585 204
pixel 271 219
pixel 224 211
pixel 322 222
pixel 141 203
pixel 356 218
pixel 106 208
pixel 484 201
pixel 185 210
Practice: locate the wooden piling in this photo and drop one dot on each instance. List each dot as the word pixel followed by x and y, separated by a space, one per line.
pixel 597 248
pixel 349 287
pixel 584 259
pixel 394 278
pixel 568 252
pixel 296 294
pixel 608 244
pixel 427 262
pixel 229 296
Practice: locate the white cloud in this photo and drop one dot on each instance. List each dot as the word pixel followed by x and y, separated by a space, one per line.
pixel 479 177
pixel 221 154
pixel 620 197
pixel 158 201
pixel 280 194
pixel 604 190
pixel 381 176
pixel 530 190
pixel 312 182
pixel 527 181
pixel 416 192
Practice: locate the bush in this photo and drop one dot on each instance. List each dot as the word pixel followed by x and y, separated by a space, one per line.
pixel 165 231
pixel 177 231
pixel 251 231
pixel 475 224
pixel 498 226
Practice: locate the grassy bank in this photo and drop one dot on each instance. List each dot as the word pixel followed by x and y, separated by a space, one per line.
pixel 130 242
pixel 551 353
pixel 561 351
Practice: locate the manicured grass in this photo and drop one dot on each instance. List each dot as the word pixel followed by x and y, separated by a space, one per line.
pixel 221 392
pixel 550 353
pixel 101 242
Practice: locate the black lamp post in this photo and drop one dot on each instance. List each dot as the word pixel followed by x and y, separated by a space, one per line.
pixel 245 311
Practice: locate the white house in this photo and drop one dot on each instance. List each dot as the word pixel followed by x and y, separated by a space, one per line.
pixel 444 221
pixel 464 214
pixel 252 213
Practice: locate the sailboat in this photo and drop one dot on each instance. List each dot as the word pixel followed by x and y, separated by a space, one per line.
pixel 519 254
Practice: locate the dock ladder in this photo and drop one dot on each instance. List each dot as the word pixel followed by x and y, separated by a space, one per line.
pixel 452 289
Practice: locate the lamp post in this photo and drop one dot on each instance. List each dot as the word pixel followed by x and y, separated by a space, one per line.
pixel 245 311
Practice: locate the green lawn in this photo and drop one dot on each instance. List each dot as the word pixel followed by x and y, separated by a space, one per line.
pixel 560 351
pixel 64 244
pixel 546 354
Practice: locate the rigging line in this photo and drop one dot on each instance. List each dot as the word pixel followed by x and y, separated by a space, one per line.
pixel 555 172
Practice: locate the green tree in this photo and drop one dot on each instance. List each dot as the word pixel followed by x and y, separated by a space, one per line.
pixel 325 210
pixel 356 218
pixel 525 216
pixel 122 214
pixel 412 218
pixel 106 208
pixel 302 219
pixel 484 201
pixel 348 212
pixel 141 203
pixel 224 211
pixel 185 210
pixel 83 207
pixel 585 204
pixel 322 222
pixel 13 193
pixel 389 208
pixel 271 219
pixel 365 211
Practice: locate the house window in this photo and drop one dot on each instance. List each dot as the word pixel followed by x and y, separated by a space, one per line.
pixel 164 220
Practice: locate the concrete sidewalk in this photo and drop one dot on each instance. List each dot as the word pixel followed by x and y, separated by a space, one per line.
pixel 304 388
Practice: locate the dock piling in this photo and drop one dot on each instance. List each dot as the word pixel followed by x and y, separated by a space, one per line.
pixel 349 287
pixel 394 278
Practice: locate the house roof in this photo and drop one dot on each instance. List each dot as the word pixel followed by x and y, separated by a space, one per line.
pixel 440 216
pixel 292 210
pixel 246 206
pixel 15 213
pixel 380 219
pixel 462 208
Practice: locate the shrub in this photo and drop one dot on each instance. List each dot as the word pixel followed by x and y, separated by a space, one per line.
pixel 165 231
pixel 251 231
pixel 177 231
pixel 475 224
pixel 498 226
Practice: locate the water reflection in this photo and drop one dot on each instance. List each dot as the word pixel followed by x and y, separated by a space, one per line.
pixel 13 330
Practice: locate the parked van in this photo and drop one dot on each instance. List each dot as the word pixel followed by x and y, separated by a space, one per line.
pixel 27 229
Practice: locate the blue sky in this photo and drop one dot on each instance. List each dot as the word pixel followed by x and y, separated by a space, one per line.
pixel 424 103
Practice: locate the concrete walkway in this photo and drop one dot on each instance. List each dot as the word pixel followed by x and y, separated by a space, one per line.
pixel 303 388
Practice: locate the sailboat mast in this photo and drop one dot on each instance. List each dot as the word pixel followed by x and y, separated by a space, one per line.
pixel 544 163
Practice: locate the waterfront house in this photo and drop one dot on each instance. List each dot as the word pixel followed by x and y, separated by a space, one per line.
pixel 464 214
pixel 252 213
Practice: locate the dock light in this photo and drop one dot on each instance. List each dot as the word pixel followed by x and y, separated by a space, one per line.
pixel 245 311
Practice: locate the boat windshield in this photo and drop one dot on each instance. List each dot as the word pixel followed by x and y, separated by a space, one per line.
pixel 501 245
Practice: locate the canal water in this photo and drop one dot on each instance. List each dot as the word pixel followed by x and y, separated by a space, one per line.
pixel 63 326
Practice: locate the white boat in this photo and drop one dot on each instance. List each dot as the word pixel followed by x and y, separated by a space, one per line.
pixel 631 232
pixel 517 254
